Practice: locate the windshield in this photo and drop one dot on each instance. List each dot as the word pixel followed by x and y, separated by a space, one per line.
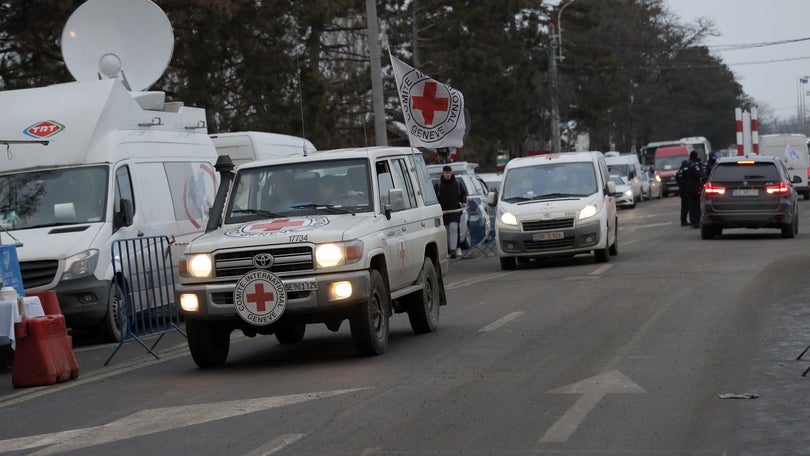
pixel 323 187
pixel 670 162
pixel 53 197
pixel 574 179
pixel 619 170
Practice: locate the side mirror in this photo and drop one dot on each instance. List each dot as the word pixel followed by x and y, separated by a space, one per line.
pixel 492 198
pixel 611 188
pixel 796 180
pixel 396 202
pixel 125 215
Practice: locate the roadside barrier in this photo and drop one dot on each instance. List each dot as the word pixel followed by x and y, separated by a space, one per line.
pixel 144 289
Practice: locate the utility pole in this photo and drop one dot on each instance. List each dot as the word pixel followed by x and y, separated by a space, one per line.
pixel 555 44
pixel 380 134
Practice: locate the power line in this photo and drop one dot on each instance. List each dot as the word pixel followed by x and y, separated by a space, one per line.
pixel 738 47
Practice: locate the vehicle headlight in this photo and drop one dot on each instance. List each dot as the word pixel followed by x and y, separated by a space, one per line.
pixel 199 266
pixel 657 178
pixel 80 265
pixel 338 253
pixel 507 218
pixel 628 193
pixel 588 211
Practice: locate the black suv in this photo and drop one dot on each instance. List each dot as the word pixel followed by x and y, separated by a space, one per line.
pixel 749 192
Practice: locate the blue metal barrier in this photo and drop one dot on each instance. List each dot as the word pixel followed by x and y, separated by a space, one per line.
pixel 143 274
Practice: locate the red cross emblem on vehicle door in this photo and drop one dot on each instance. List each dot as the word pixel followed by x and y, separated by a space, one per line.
pixel 429 103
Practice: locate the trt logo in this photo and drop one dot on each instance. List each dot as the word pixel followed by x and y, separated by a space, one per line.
pixel 44 129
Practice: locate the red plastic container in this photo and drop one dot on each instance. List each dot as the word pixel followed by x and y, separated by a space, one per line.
pixel 45 355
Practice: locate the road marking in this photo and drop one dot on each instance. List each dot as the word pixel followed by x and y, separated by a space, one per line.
pixel 653 225
pixel 468 282
pixel 276 445
pixel 601 269
pixel 500 322
pixel 152 421
pixel 592 390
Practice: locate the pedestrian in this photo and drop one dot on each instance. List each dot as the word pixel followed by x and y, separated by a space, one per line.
pixel 453 198
pixel 693 182
pixel 680 177
pixel 710 164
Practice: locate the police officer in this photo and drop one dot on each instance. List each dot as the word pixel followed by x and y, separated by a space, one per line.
pixel 710 164
pixel 693 181
pixel 680 178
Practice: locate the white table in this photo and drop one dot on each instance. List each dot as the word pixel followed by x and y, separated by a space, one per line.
pixel 10 314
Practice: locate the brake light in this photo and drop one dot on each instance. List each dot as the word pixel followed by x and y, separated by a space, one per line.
pixel 808 173
pixel 711 189
pixel 781 189
pixel 745 162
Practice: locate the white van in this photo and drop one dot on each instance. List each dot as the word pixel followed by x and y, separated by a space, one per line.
pixel 628 167
pixel 246 146
pixel 85 165
pixel 556 205
pixel 791 149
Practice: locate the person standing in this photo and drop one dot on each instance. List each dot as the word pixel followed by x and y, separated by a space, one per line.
pixel 710 164
pixel 693 181
pixel 680 178
pixel 453 198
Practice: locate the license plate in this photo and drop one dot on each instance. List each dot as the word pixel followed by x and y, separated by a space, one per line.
pixel 745 192
pixel 548 236
pixel 301 286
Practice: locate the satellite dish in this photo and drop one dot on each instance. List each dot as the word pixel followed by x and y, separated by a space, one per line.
pixel 131 40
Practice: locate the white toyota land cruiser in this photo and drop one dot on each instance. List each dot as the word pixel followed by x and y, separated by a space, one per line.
pixel 351 234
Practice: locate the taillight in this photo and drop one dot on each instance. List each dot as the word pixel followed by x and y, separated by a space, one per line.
pixel 808 173
pixel 711 189
pixel 781 189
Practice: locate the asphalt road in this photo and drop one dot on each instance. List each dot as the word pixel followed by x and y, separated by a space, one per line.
pixel 560 357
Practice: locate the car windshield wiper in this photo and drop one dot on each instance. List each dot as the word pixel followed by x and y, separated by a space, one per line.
pixel 327 207
pixel 261 212
pixel 753 176
pixel 516 198
pixel 555 195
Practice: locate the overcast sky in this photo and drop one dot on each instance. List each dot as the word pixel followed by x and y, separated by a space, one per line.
pixel 769 74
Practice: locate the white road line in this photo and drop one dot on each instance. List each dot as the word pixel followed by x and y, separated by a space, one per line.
pixel 601 269
pixel 500 322
pixel 653 225
pixel 466 283
pixel 276 445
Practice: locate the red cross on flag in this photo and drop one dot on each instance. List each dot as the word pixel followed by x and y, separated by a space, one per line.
pixel 434 112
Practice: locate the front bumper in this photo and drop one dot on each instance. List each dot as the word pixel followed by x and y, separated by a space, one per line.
pixel 581 238
pixel 216 300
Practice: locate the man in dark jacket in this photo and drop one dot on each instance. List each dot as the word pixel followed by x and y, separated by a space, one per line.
pixel 693 181
pixel 680 178
pixel 453 198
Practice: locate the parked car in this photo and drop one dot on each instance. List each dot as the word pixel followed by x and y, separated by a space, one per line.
pixel 749 192
pixel 624 193
pixel 628 167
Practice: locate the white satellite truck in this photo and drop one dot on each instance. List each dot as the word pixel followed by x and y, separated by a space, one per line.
pixel 86 163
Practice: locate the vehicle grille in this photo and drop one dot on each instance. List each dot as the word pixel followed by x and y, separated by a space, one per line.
pixel 38 273
pixel 554 244
pixel 556 224
pixel 287 259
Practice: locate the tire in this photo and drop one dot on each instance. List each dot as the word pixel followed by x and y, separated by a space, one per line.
pixel 707 231
pixel 369 322
pixel 117 317
pixel 291 333
pixel 208 341
pixel 789 231
pixel 614 248
pixel 508 263
pixel 423 309
pixel 807 195
pixel 602 255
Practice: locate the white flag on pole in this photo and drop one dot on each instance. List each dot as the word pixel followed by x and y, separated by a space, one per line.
pixel 434 112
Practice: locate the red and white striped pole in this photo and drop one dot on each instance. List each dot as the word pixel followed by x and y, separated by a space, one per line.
pixel 754 131
pixel 738 117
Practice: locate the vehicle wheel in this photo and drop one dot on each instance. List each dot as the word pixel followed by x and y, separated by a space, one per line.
pixel 789 231
pixel 614 248
pixel 707 231
pixel 807 195
pixel 291 333
pixel 208 341
pixel 423 309
pixel 369 323
pixel 508 263
pixel 116 318
pixel 664 193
